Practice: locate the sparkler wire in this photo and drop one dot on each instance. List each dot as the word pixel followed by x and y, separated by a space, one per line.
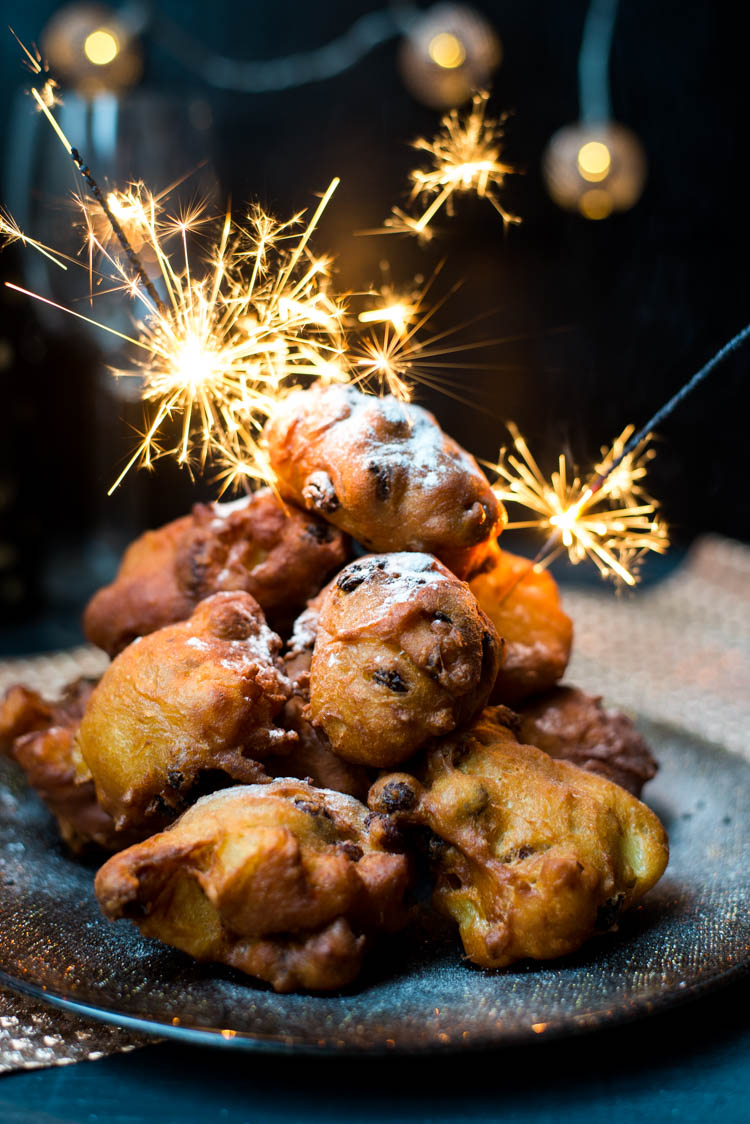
pixel 663 413
pixel 553 539
pixel 95 190
pixel 119 232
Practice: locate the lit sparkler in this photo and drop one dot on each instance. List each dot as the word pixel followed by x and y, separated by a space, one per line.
pixel 465 158
pixel 226 345
pixel 609 519
pixel 218 348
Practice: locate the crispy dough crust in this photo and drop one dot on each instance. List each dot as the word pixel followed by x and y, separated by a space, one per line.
pixel 532 856
pixel 279 554
pixel 385 472
pixel 195 702
pixel 283 881
pixel 571 725
pixel 402 653
pixel 39 735
pixel 538 635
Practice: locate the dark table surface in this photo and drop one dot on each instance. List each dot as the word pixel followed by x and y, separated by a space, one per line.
pixel 692 1064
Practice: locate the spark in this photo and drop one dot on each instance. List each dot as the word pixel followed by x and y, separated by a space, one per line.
pixel 228 344
pixel 393 307
pixel 465 158
pixel 609 519
pixel 395 354
pixel 39 68
pixel 10 231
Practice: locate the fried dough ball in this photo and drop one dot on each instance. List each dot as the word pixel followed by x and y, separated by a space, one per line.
pixel 184 704
pixel 403 652
pixel 39 735
pixel 569 724
pixel 532 856
pixel 538 635
pixel 283 881
pixel 384 471
pixel 280 555
pixel 312 758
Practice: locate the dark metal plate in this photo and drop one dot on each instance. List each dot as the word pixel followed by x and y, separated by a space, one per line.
pixel 691 934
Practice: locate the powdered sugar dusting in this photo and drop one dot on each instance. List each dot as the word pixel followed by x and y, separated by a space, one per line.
pixel 222 511
pixel 417 444
pixel 304 632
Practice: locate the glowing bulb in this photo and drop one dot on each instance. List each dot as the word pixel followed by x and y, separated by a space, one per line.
pixel 101 47
pixel 596 204
pixel 446 50
pixel 449 52
pixel 595 168
pixel 594 161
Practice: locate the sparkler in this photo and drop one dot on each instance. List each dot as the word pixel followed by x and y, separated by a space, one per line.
pixel 225 346
pixel 220 347
pixel 610 519
pixel 465 158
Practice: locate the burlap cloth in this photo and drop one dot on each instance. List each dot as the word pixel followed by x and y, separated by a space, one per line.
pixel 678 651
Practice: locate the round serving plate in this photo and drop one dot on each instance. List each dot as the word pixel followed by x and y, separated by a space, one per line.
pixel 689 935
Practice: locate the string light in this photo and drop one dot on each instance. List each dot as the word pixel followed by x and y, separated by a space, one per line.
pixel 449 52
pixel 595 169
pixel 595 166
pixel 101 47
pixel 92 49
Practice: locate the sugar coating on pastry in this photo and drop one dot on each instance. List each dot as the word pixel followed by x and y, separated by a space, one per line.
pixel 529 616
pixel 531 856
pixel 278 553
pixel 286 882
pixel 385 472
pixel 567 723
pixel 402 653
pixel 192 703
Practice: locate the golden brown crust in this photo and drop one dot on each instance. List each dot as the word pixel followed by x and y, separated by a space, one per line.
pixel 39 735
pixel 402 653
pixel 312 758
pixel 538 635
pixel 282 881
pixel 569 724
pixel 385 472
pixel 186 702
pixel 532 855
pixel 277 553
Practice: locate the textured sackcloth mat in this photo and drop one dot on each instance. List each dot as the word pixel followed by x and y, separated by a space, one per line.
pixel 679 652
